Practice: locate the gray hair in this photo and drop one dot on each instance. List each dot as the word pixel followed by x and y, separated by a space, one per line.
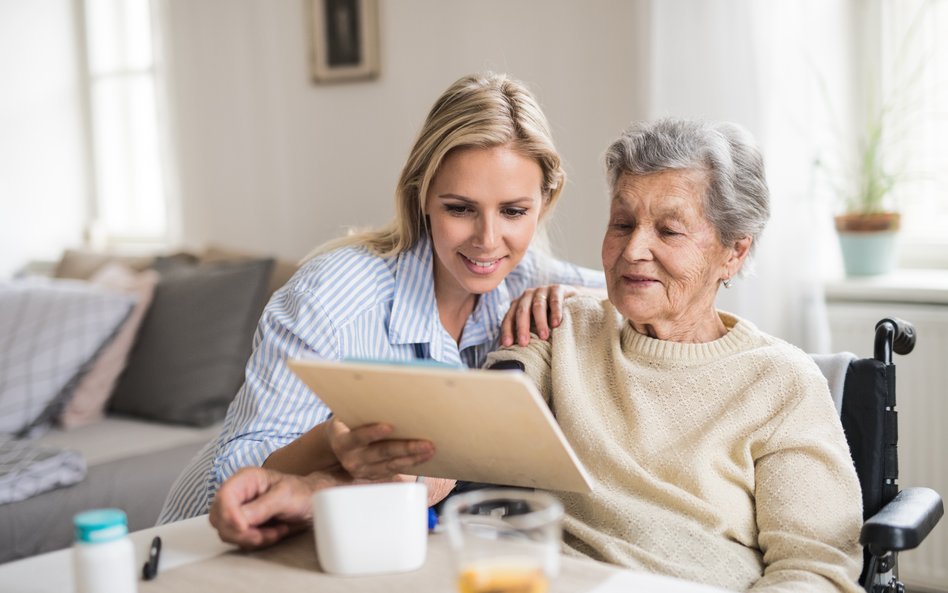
pixel 737 202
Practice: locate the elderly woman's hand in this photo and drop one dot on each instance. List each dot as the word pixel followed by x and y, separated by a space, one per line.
pixel 258 507
pixel 542 305
pixel 367 453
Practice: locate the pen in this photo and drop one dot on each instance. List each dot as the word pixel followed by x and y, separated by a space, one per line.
pixel 150 569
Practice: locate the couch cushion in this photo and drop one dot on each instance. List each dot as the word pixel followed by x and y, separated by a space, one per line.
pixel 79 264
pixel 188 360
pixel 50 332
pixel 283 270
pixel 44 523
pixel 88 401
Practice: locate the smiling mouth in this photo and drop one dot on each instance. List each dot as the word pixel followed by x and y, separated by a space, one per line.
pixel 638 279
pixel 482 267
pixel 482 263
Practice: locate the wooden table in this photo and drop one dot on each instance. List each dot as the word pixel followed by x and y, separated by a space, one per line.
pixel 193 559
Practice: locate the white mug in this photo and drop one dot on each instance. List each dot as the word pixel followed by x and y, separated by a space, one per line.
pixel 371 528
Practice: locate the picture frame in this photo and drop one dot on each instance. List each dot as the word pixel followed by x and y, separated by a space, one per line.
pixel 344 40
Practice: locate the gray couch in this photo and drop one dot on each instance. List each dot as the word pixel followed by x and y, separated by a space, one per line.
pixel 184 368
pixel 131 465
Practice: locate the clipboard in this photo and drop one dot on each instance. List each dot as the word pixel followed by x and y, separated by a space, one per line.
pixel 486 426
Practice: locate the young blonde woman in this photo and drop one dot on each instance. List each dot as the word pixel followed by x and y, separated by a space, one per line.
pixel 453 276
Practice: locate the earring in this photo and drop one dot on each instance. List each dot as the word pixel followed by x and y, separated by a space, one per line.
pixel 726 282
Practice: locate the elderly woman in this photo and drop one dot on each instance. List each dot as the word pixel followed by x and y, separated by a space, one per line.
pixel 716 449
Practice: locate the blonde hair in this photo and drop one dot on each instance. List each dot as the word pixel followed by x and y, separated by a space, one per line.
pixel 481 111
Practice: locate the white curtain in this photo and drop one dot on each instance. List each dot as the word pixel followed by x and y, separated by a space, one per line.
pixel 769 66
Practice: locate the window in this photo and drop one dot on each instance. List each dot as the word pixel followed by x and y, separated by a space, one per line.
pixel 130 203
pixel 914 73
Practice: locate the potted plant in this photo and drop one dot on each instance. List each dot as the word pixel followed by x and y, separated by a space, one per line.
pixel 869 220
pixel 868 225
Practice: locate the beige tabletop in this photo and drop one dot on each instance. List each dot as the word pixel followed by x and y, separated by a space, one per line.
pixel 194 559
pixel 293 566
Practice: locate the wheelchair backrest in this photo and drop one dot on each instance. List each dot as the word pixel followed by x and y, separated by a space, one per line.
pixel 871 425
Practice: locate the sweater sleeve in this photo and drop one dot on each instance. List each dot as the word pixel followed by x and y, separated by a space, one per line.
pixel 808 500
pixel 536 358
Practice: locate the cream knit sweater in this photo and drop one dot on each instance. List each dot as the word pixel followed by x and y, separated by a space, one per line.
pixel 723 463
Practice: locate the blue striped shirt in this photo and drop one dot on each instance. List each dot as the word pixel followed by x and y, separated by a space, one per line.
pixel 345 303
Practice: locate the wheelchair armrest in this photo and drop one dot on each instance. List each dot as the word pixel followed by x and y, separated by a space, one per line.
pixel 904 522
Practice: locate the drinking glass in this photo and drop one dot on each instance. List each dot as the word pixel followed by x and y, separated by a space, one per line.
pixel 504 540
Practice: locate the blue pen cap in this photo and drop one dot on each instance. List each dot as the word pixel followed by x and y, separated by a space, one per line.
pixel 100 525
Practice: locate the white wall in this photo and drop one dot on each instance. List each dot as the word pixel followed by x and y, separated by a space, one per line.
pixel 43 193
pixel 270 161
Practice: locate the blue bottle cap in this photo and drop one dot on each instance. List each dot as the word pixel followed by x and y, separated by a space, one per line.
pixel 432 519
pixel 100 525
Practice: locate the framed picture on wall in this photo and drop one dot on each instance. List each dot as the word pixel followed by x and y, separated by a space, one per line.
pixel 344 39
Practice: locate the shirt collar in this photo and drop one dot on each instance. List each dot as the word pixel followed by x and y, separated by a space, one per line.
pixel 414 310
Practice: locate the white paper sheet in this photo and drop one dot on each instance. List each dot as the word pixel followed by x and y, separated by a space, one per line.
pixel 642 582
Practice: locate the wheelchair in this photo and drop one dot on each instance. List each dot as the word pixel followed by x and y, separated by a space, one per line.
pixel 894 520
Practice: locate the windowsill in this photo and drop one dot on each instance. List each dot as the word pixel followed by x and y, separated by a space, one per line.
pixel 901 286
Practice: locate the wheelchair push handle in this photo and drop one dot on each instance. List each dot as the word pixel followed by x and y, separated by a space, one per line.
pixel 893 335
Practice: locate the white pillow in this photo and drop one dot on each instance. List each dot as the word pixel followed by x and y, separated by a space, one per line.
pixel 86 404
pixel 50 332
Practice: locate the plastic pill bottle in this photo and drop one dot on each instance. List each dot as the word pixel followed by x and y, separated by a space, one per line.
pixel 103 555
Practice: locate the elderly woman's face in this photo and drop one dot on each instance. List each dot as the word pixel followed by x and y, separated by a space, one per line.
pixel 663 259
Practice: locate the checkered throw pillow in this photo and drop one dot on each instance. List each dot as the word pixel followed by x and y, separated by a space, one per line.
pixel 50 332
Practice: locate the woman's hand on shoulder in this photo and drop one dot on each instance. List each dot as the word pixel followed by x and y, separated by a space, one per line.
pixel 541 307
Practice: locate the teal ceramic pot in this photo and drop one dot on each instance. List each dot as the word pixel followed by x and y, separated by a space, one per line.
pixel 868 253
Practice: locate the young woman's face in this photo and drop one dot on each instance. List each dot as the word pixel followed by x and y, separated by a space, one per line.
pixel 483 205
